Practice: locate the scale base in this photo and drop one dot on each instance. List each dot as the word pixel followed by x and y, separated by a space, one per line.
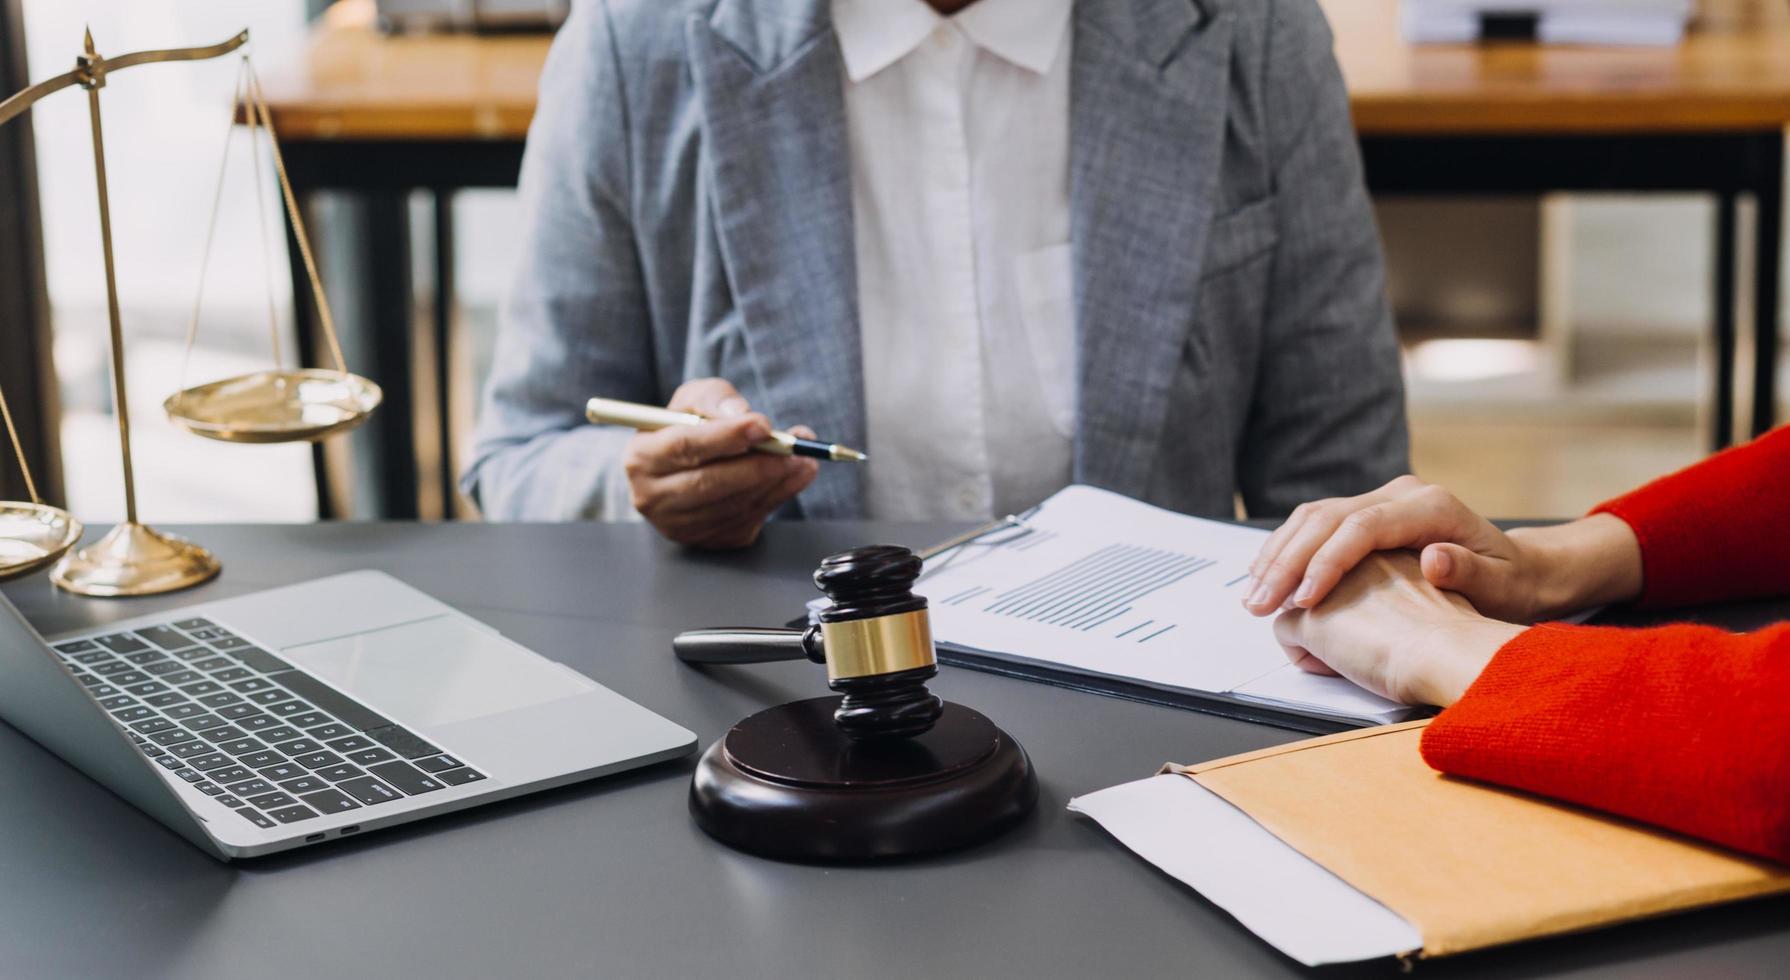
pixel 787 783
pixel 134 559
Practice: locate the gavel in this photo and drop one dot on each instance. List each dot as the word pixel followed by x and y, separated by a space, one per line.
pixel 875 639
pixel 886 769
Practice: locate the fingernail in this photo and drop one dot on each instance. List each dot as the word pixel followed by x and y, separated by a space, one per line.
pixel 1306 588
pixel 1260 595
pixel 1444 563
pixel 732 406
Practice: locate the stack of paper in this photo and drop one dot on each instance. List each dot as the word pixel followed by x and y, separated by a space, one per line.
pixel 1640 22
pixel 1097 587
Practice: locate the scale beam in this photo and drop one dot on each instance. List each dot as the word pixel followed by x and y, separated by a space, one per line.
pixel 91 71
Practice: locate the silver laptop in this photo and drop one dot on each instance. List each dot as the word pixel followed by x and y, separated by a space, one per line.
pixel 316 711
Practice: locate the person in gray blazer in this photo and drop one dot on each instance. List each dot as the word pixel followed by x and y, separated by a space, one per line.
pixel 1001 245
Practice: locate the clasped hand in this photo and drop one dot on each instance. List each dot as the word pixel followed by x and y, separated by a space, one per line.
pixel 1408 593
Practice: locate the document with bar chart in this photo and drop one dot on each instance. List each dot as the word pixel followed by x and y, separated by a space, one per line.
pixel 1096 590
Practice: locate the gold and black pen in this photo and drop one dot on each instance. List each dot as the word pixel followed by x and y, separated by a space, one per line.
pixel 651 418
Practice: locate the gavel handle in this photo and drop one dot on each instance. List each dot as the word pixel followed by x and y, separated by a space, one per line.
pixel 746 645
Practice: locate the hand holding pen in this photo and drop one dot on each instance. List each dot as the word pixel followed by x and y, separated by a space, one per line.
pixel 703 484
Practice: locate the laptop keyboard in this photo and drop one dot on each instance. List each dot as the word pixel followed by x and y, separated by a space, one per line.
pixel 274 744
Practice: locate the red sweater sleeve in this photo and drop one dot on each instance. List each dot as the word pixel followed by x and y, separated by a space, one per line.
pixel 1717 530
pixel 1684 727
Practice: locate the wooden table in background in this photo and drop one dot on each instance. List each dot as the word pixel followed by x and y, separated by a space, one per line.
pixel 386 116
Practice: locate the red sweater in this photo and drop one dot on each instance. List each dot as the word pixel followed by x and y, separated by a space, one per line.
pixel 1684 727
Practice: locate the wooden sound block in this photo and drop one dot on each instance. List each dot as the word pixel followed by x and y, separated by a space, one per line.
pixel 786 783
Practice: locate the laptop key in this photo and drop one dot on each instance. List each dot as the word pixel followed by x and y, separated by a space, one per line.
pixel 403 742
pixel 137 713
pixel 406 777
pixel 310 719
pixel 89 680
pixel 166 700
pixel 182 677
pixel 369 791
pixel 231 801
pixel 261 760
pixel 213 727
pixel 76 646
pixel 208 761
pixel 304 784
pixel 147 688
pixel 202 688
pixel 230 674
pixel 278 733
pixel 230 774
pixel 353 743
pixel 164 668
pixel 190 654
pixel 170 762
pixel 228 643
pixel 251 788
pixel 284 770
pixel 293 814
pixel 252 685
pixel 209 788
pixel 110 667
pixel 103 691
pixel 151 726
pixel 185 710
pixel 336 774
pixel 268 801
pixel 329 731
pixel 153 750
pixel 254 817
pixel 165 637
pixel 460 776
pixel 299 746
pixel 243 714
pixel 256 658
pixel 117 701
pixel 147 657
pixel 367 757
pixel 188 774
pixel 121 643
pixel 270 696
pixel 438 763
pixel 319 760
pixel 187 750
pixel 95 657
pixel 213 663
pixel 286 709
pixel 192 624
pixel 168 738
pixel 220 699
pixel 242 746
pixel 330 801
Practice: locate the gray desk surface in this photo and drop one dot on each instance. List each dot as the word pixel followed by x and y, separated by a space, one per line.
pixel 611 878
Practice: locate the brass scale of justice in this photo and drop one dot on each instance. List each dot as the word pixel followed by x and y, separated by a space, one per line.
pixel 271 406
pixel 883 770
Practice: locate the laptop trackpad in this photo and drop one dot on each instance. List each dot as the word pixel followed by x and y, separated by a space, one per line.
pixel 436 671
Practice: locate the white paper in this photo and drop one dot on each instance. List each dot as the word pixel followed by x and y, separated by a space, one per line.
pixel 1102 584
pixel 1282 896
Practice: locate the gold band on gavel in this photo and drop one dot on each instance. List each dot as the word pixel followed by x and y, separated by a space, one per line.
pixel 881 645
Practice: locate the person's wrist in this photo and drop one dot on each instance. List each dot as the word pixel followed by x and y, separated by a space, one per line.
pixel 1452 656
pixel 1594 561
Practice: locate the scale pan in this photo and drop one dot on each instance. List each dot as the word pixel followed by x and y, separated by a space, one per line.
pixel 275 406
pixel 33 536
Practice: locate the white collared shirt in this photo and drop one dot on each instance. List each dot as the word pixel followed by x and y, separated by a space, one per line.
pixel 959 131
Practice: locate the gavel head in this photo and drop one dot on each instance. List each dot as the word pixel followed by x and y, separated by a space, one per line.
pixel 878 643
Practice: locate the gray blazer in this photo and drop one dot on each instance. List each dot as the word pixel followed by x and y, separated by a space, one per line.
pixel 687 188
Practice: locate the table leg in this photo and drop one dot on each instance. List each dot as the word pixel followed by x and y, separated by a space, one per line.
pixel 389 324
pixel 1723 414
pixel 1769 193
pixel 304 331
pixel 444 332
